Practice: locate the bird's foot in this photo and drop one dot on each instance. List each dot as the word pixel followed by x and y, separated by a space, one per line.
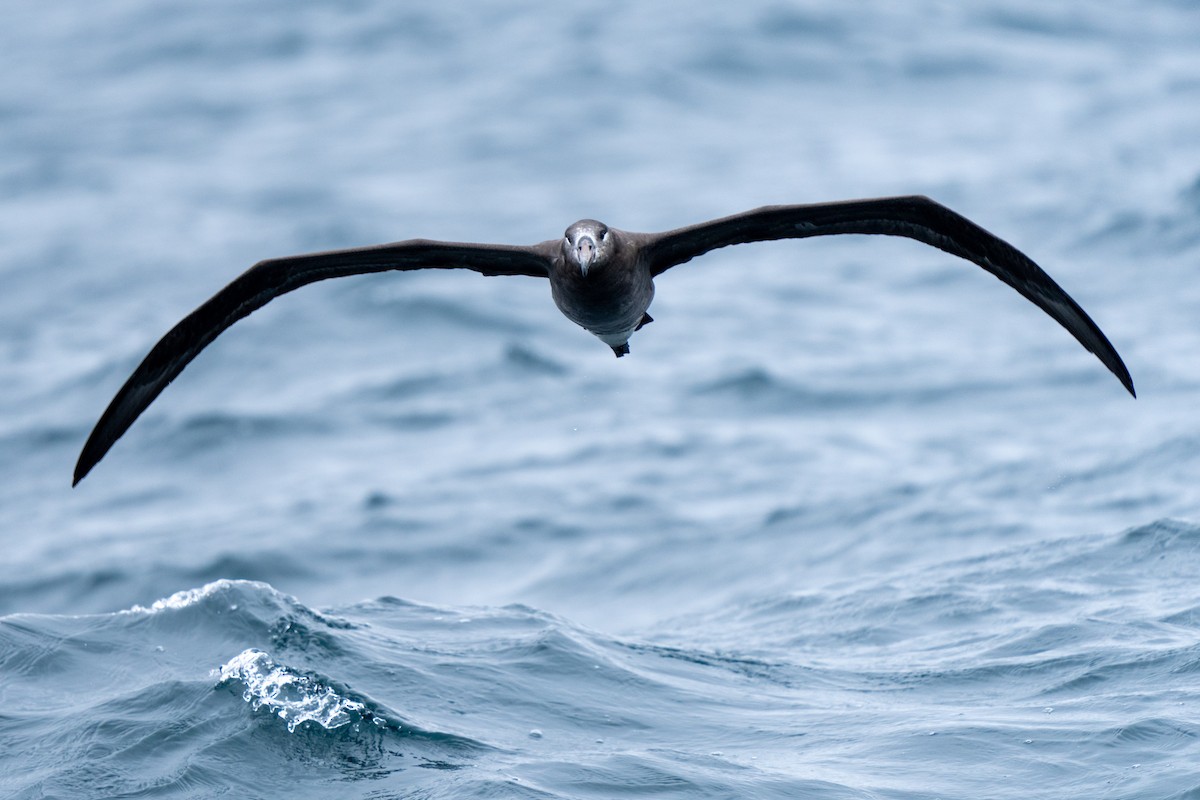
pixel 620 349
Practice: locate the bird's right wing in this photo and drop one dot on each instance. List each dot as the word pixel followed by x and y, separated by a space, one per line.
pixel 269 279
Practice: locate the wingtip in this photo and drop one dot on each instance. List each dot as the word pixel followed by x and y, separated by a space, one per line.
pixel 1118 368
pixel 84 465
pixel 1122 374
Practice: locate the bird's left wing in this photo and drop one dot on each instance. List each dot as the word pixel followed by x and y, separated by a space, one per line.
pixel 269 279
pixel 914 217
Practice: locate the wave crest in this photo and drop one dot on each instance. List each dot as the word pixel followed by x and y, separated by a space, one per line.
pixel 292 696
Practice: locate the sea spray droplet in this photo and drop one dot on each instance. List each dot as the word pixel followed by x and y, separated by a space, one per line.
pixel 289 695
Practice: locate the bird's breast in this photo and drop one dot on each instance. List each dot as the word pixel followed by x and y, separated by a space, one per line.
pixel 610 299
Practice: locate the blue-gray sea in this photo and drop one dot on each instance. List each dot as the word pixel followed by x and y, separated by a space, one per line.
pixel 853 520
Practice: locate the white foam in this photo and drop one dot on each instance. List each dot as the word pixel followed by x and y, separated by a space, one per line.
pixel 291 696
pixel 190 597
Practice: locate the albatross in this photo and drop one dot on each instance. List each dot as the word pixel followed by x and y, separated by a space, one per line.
pixel 601 278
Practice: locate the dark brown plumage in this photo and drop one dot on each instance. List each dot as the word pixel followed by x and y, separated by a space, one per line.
pixel 600 278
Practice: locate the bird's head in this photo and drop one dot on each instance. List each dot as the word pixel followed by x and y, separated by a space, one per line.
pixel 588 244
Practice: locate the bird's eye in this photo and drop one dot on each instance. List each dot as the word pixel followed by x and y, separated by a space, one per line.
pixel 604 233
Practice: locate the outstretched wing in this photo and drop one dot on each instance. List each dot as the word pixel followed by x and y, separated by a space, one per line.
pixel 915 217
pixel 267 280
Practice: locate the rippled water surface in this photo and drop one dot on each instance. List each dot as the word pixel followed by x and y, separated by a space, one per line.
pixel 853 520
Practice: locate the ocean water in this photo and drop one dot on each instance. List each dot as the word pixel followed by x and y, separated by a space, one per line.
pixel 853 520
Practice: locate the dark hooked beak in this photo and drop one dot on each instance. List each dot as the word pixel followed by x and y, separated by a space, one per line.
pixel 585 251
